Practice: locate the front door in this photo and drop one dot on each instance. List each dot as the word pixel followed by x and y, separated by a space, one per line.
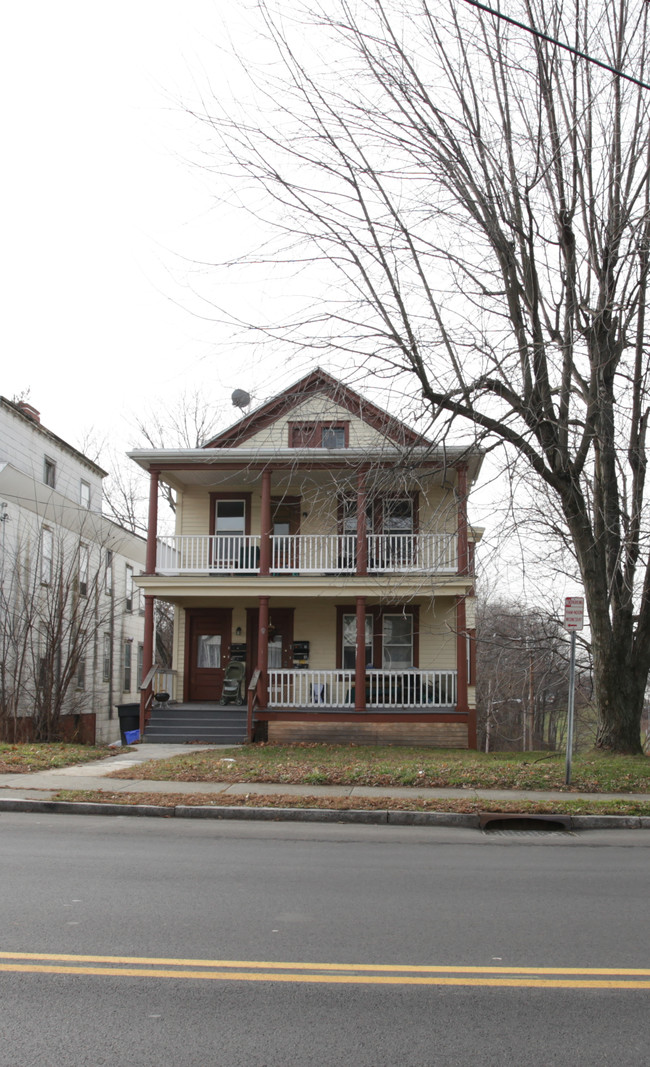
pixel 208 651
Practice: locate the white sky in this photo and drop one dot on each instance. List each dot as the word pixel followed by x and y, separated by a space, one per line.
pixel 98 209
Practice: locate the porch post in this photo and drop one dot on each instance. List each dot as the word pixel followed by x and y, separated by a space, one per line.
pixel 263 652
pixel 147 657
pixel 461 656
pixel 362 539
pixel 265 530
pixel 360 657
pixel 152 524
pixel 463 552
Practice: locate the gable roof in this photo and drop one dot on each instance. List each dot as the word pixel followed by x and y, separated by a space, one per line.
pixel 317 381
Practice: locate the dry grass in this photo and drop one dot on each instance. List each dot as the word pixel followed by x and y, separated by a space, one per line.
pixel 462 804
pixel 392 766
pixel 23 759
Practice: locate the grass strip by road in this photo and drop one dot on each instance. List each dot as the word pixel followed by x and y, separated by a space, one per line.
pixel 47 756
pixel 462 804
pixel 392 766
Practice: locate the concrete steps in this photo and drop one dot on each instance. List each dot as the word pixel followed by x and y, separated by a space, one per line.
pixel 208 723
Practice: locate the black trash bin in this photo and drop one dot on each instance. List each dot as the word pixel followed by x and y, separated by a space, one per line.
pixel 129 716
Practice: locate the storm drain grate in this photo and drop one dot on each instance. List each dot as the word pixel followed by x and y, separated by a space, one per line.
pixel 502 823
pixel 530 833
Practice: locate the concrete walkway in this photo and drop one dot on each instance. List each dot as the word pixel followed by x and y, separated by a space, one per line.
pixel 42 785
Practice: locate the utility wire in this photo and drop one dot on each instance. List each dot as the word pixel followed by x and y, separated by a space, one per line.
pixel 559 44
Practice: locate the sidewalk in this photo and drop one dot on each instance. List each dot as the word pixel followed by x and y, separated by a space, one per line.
pixel 42 785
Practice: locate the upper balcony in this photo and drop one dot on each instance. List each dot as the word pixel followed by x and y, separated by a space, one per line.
pixel 308 554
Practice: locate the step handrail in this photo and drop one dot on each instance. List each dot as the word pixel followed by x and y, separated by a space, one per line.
pixel 252 701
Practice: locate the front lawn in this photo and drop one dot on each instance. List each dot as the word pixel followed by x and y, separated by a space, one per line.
pixel 391 766
pixel 42 756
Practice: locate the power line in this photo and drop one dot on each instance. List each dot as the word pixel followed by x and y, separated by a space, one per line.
pixel 559 44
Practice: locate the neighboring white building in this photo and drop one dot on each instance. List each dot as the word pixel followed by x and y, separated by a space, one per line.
pixel 71 618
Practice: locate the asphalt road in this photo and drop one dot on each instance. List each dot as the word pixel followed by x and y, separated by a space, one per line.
pixel 191 943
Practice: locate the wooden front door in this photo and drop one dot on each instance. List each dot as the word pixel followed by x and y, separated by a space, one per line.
pixel 207 652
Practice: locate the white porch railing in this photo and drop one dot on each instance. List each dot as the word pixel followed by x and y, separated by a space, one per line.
pixel 412 552
pixel 308 554
pixel 314 553
pixel 189 554
pixel 384 689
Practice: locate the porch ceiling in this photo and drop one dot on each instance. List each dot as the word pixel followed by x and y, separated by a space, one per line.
pixel 397 588
pixel 229 466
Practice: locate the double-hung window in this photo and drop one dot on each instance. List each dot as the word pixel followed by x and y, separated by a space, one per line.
pixel 397 642
pixel 47 556
pixel 128 597
pixel 49 472
pixel 84 494
pixel 229 529
pixel 83 569
pixel 106 659
pixel 127 667
pixel 350 641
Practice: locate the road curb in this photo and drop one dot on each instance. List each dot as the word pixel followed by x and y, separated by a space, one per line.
pixel 331 815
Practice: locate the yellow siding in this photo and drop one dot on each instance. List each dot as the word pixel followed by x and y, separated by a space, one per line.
pixel 194 508
pixel 437 635
pixel 316 409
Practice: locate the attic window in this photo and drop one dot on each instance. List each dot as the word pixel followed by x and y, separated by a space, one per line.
pixel 318 434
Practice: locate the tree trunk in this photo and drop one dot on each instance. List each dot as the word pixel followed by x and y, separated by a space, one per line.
pixel 619 688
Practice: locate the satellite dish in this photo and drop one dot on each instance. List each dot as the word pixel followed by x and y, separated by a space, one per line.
pixel 240 398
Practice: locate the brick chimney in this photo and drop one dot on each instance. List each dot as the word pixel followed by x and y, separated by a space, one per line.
pixel 29 410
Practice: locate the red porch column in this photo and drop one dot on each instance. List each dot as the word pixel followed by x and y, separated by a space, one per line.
pixel 462 703
pixel 463 552
pixel 360 657
pixel 362 538
pixel 147 657
pixel 152 525
pixel 265 529
pixel 263 652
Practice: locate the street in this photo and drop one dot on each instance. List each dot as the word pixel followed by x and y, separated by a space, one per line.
pixel 167 942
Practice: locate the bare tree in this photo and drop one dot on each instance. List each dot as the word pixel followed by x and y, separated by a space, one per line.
pixel 50 613
pixel 522 679
pixel 472 206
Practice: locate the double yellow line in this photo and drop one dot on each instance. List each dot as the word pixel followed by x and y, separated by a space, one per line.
pixel 329 973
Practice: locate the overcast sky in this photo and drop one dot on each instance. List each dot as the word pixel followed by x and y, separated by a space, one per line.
pixel 102 214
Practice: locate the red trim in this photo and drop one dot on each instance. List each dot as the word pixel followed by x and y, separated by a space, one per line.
pixel 246 497
pixel 313 432
pixel 463 550
pixel 461 656
pixel 367 716
pixel 318 381
pixel 472 732
pixel 263 651
pixel 152 523
pixel 360 656
pixel 265 524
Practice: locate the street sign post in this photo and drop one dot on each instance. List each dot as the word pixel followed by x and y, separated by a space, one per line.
pixel 574 620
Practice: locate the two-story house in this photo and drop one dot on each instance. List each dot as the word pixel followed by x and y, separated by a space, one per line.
pixel 323 544
pixel 71 619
